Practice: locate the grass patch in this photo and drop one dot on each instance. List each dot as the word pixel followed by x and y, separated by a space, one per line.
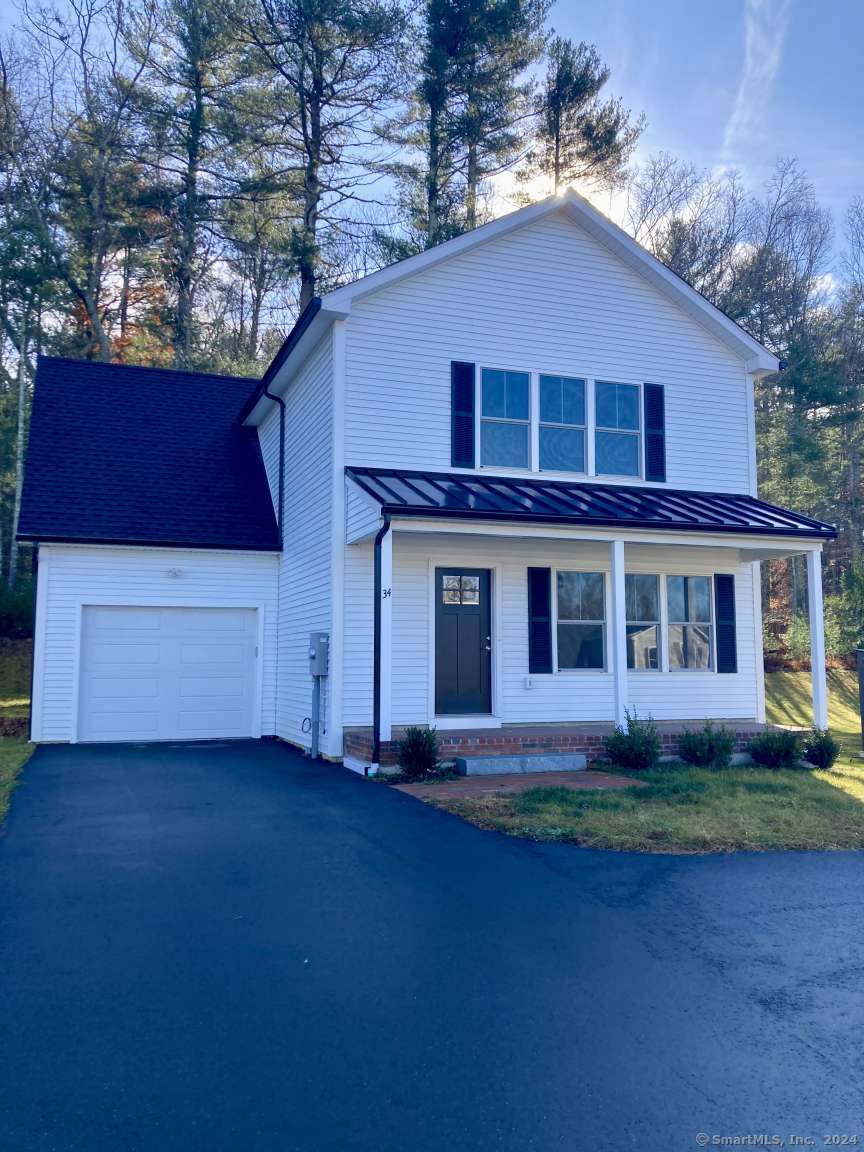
pixel 683 809
pixel 15 658
pixel 14 754
pixel 688 809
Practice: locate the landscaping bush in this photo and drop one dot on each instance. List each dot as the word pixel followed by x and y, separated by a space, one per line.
pixel 820 748
pixel 637 747
pixel 418 753
pixel 776 749
pixel 708 747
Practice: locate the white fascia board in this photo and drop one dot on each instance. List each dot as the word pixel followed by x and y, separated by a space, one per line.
pixel 343 298
pixel 758 360
pixel 300 354
pixel 756 547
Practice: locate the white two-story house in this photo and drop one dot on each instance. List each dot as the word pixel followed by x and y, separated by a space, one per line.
pixel 512 479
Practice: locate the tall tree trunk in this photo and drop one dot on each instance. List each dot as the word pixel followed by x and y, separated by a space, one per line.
pixel 433 176
pixel 472 180
pixel 308 248
pixel 188 231
pixel 19 448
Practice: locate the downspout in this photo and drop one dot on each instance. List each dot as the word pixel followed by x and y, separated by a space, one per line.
pixel 281 528
pixel 280 519
pixel 35 571
pixel 376 649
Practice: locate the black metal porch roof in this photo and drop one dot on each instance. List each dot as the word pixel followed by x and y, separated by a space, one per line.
pixel 533 500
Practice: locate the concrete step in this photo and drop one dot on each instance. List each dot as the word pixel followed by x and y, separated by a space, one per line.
pixel 537 762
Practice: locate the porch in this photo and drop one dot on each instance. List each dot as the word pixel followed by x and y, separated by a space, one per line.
pixel 527 632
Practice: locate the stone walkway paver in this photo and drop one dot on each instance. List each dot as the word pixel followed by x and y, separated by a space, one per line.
pixel 512 782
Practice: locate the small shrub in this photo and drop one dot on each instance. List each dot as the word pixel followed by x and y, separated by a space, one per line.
pixel 418 752
pixel 775 749
pixel 637 747
pixel 708 746
pixel 820 748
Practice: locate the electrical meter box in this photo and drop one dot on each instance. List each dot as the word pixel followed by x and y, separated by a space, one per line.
pixel 319 653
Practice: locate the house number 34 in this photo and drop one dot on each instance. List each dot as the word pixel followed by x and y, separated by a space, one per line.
pixel 386 592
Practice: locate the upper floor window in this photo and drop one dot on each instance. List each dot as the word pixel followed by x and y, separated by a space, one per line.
pixel 562 424
pixel 505 419
pixel 617 428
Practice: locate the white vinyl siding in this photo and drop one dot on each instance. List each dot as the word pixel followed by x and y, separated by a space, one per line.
pixel 268 438
pixel 305 579
pixel 71 576
pixel 566 696
pixel 550 296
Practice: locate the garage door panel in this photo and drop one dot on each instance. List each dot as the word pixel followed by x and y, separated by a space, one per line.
pixel 200 665
pixel 211 687
pixel 221 654
pixel 122 620
pixel 124 687
pixel 104 653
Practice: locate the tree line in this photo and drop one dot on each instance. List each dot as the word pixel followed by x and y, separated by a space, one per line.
pixel 178 178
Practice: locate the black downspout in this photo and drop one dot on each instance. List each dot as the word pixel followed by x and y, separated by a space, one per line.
pixel 376 648
pixel 35 570
pixel 281 527
pixel 281 403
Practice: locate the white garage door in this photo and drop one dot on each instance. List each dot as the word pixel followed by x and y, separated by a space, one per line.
pixel 167 673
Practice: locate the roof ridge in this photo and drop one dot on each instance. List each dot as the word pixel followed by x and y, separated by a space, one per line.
pixel 101 364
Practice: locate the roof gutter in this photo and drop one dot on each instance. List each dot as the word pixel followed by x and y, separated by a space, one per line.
pixel 376 648
pixel 291 341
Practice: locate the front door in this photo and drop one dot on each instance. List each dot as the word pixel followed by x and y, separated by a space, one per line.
pixel 463 642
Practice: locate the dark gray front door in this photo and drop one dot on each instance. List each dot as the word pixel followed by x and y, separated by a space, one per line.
pixel 463 642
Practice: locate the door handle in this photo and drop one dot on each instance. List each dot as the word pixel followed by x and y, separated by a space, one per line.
pixel 488 643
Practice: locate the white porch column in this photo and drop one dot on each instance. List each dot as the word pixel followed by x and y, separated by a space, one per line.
pixel 618 632
pixel 817 638
pixel 386 635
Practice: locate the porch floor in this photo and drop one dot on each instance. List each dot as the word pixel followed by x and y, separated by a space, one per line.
pixel 512 782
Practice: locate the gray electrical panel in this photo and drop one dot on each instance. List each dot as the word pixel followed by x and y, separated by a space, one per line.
pixel 319 653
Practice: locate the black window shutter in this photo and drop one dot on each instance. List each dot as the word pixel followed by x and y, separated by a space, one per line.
pixel 724 606
pixel 539 619
pixel 654 403
pixel 461 414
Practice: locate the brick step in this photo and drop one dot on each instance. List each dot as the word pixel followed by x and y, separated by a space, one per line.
pixel 501 763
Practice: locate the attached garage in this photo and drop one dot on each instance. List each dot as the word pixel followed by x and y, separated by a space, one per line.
pixel 153 673
pixel 143 644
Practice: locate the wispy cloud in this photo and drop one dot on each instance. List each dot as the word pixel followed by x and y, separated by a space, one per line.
pixel 765 23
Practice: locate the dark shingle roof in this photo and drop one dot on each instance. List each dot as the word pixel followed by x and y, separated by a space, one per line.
pixel 416 494
pixel 143 455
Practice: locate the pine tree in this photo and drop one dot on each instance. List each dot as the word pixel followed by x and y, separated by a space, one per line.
pixel 581 138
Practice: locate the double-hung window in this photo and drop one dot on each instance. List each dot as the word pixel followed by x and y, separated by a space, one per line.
pixel 505 419
pixel 642 599
pixel 562 424
pixel 689 611
pixel 581 625
pixel 617 429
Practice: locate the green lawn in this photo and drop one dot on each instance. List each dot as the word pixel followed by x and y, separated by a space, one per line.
pixel 683 809
pixel 14 702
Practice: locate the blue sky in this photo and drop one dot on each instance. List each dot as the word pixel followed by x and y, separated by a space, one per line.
pixel 739 82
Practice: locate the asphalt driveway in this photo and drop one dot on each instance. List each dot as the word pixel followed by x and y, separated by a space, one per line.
pixel 229 948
